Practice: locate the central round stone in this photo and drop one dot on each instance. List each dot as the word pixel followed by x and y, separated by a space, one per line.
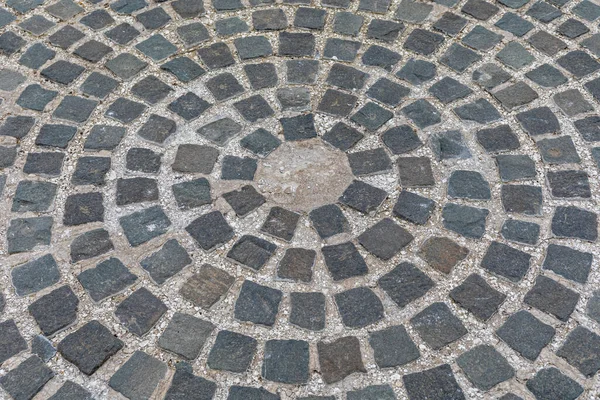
pixel 304 175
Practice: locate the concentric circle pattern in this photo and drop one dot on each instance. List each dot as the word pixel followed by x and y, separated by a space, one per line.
pixel 307 199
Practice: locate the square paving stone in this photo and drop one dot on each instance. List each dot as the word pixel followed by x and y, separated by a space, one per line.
pixel 97 19
pixel 296 265
pixel 384 30
pixel 154 18
pixel 572 28
pixel 192 194
pixel 468 185
pixel 340 358
pixel 185 335
pixel 36 25
pixel 405 283
pixel 157 129
pixel 34 196
pixel 281 223
pixel 385 239
pixel 401 139
pixel 45 163
pixel 341 50
pixel 230 26
pixel 257 304
pixel 307 310
pixel 144 225
pixel 195 33
pixel 559 150
pixel 189 106
pixel 64 9
pixel 572 102
pixel 227 5
pixel 195 158
pixel 587 10
pixel 329 220
pixel 27 379
pixel 232 352
pixel 83 208
pixel 187 385
pixel 569 184
pixel 520 231
pixel 513 167
pixel 92 51
pixel 35 275
pixel 543 12
pixel 422 113
pixel 261 76
pixel 522 199
pixel 423 42
pixel 36 56
pixel 267 20
pixel 71 391
pixel 546 43
pixel 343 261
pixel 581 350
pixel 476 296
pixel 63 72
pixel 98 85
pixel 465 220
pixel 415 171
pixel 525 334
pixel 480 9
pixel 157 47
pixel 8 156
pixel 380 392
pixel 490 75
pixel 550 383
pixel 579 63
pixel 75 109
pixel 220 131
pixel 35 97
pixel 417 71
pixel 481 38
pixel 450 24
pixel 108 278
pixel 553 298
pixel 302 71
pixel 166 262
pixel 514 24
pixel 244 392
pixel 210 230
pixel 238 168
pixel 547 76
pixel 90 347
pixel 363 197
pixel 506 261
pixel 11 340
pixel 347 23
pixel 539 121
pixel 139 312
pixel 346 77
pixel 122 33
pixel 500 138
pixel 442 253
pixel 207 287
pixel 574 222
pixel 151 89
pixel 252 251
pixel 125 110
pixel 296 44
pixel 24 234
pixel 413 208
pixel 485 367
pixel 413 11
pixel 480 111
pixel 126 66
pixel 375 6
pixel 568 262
pixel 436 384
pixel 254 108
pixel 245 200
pixel 10 43
pixel 250 47
pixel 516 95
pixel 459 58
pixel 90 244
pixel 139 377
pixel 372 116
pixel 65 37
pixel 393 347
pixel 55 311
pixel 379 56
pixel 369 162
pixel 184 69
pixel 342 136
pixel 104 137
pixel 286 361
pixel 17 126
pixel 438 326
pixel 337 103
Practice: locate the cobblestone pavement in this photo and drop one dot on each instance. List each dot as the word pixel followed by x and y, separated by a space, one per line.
pixel 314 199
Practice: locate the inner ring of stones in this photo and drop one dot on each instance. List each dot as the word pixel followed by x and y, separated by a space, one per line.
pixel 304 175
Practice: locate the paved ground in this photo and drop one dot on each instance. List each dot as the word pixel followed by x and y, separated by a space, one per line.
pixel 259 200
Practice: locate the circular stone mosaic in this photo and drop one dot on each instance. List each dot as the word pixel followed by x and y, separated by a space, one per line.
pixel 307 199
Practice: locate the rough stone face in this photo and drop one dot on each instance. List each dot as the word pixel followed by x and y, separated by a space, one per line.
pixel 308 310
pixel 393 347
pixel 442 253
pixel 55 311
pixel 42 347
pixel 142 226
pixel 90 244
pixel 11 340
pixel 343 261
pixel 465 220
pixel 207 287
pixel 25 234
pixel 187 385
pixel 551 383
pixel 232 352
pixel 359 307
pixel 185 335
pixel 552 297
pixel 468 185
pixel 405 283
pixel 139 376
pixel 478 297
pixel 434 383
pixel 340 358
pixel 568 262
pixel 438 326
pixel 526 334
pixel 485 367
pixel 140 311
pixel 286 361
pixel 385 239
pixel 413 208
pixel 257 304
pixel 27 379
pixel 35 275
pixel 575 222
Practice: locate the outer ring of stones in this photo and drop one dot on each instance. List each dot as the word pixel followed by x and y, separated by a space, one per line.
pixel 137 239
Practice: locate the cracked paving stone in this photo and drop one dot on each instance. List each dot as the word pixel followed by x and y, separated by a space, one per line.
pixel 512 167
pixel 192 194
pixel 185 335
pixel 384 30
pixel 553 298
pixel 568 262
pixel 574 222
pixel 35 97
pixel 55 311
pixel 45 163
pixel 343 261
pixel 381 392
pixel 436 384
pixel 346 77
pixel 369 162
pixel 210 230
pixel 550 383
pixel 522 199
pixel 560 150
pixel 232 352
pixel 189 106
pixel 144 225
pixel 11 340
pixel 139 377
pixel 261 76
pixel 207 287
pixel 423 42
pixel 500 138
pixel 139 312
pixel 90 244
pixel 220 131
pixel 194 158
pixel 98 85
pixel 257 304
pixel 393 347
pixel 476 296
pixel 184 69
pixel 525 334
pixel 506 261
pixel 468 185
pixel 286 361
pixel 385 239
pixel 157 129
pixel 33 196
pixel 151 89
pixel 122 33
pixel 42 347
pixel 90 347
pixel 465 220
pixel 251 251
pixel 254 108
pixel 340 358
pixel 187 385
pixel 569 184
pixel 126 66
pixel 520 231
pixel 580 349
pixel 245 200
pixel 157 47
pixel 35 275
pixel 379 56
pixel 27 379
pixel 125 110
pixel 341 50
pixel 328 221
pixel 415 171
pixel 307 310
pixel 17 126
pixel 83 208
pixel 485 367
pixel 448 90
pixel 281 223
pixel 296 265
pixel 442 253
pixel 342 136
pixel 405 283
pixel 166 262
pixel 108 278
pixel 363 197
pixel 136 190
pixel 104 137
pixel 337 103
pixel 24 234
pixel 438 326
